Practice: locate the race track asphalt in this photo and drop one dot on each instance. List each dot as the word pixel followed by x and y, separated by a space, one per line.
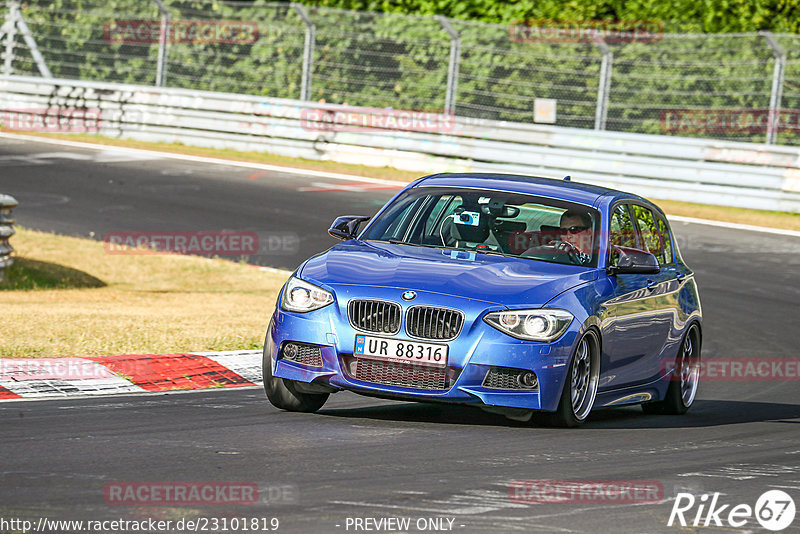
pixel 366 458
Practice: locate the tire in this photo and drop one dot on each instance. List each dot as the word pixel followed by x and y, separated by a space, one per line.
pixel 580 386
pixel 683 386
pixel 283 394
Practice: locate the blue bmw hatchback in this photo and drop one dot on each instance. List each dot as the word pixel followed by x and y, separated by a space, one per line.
pixel 530 297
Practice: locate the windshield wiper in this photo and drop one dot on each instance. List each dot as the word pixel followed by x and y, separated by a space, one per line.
pixel 444 247
pixel 401 242
pixel 490 251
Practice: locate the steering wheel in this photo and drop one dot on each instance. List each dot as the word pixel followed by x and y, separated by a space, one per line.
pixel 572 251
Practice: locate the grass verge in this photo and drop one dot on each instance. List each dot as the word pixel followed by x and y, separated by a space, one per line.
pixel 771 219
pixel 66 296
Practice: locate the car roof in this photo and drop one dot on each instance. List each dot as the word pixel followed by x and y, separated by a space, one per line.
pixel 534 185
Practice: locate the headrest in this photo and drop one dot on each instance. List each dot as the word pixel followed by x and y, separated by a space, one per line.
pixel 471 226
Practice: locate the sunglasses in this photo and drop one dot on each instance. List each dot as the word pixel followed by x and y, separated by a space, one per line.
pixel 575 229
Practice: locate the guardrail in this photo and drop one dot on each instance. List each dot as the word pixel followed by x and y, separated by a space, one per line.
pixel 664 167
pixel 7 203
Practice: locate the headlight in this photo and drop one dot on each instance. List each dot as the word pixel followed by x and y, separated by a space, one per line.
pixel 300 296
pixel 532 325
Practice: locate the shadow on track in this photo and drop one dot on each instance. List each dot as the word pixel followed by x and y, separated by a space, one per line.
pixel 705 413
pixel 421 412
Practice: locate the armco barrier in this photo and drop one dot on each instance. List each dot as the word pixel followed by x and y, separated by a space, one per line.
pixel 7 203
pixel 665 167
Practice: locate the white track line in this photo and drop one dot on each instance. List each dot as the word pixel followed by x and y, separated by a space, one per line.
pixel 735 226
pixel 201 159
pixel 334 175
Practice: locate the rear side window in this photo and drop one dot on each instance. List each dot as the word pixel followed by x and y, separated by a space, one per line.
pixel 650 231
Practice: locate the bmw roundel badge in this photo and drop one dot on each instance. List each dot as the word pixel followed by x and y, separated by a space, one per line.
pixel 409 295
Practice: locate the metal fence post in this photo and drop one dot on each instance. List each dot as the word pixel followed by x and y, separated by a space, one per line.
pixel 776 94
pixel 163 44
pixel 7 203
pixel 308 51
pixel 604 84
pixel 30 41
pixel 9 29
pixel 452 66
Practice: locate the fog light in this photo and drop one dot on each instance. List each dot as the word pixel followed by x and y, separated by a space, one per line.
pixel 290 351
pixel 527 380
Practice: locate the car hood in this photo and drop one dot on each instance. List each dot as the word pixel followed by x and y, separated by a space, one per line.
pixel 513 282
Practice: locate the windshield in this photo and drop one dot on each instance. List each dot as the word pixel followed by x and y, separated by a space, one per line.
pixel 491 222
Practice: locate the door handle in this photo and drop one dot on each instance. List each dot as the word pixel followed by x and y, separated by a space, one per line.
pixel 679 278
pixel 651 285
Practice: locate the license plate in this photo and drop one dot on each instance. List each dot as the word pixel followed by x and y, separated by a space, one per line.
pixel 398 350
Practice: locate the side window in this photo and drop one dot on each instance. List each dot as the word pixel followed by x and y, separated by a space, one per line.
pixel 621 231
pixel 650 233
pixel 435 217
pixel 400 223
pixel 664 231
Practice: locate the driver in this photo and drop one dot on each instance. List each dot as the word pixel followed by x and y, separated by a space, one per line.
pixel 575 237
pixel 576 229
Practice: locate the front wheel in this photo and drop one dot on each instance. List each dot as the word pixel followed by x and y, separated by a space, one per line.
pixel 685 379
pixel 283 394
pixel 580 389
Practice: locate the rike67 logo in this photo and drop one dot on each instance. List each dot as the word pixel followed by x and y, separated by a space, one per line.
pixel 774 510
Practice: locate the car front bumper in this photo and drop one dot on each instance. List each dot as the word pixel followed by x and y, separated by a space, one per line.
pixel 477 349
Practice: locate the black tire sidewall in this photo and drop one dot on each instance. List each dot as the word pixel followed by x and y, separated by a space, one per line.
pixel 564 416
pixel 281 392
pixel 673 400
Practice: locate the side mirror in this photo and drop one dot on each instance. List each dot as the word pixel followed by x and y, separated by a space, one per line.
pixel 345 227
pixel 633 261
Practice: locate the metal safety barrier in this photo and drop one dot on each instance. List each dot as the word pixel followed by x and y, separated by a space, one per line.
pixel 7 203
pixel 635 76
pixel 706 171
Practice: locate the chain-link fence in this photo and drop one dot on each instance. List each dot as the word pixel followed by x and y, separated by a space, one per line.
pixel 726 86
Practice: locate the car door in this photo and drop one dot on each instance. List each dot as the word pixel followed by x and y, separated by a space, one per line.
pixel 642 317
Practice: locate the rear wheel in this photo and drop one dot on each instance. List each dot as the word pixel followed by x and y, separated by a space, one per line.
pixel 580 389
pixel 685 379
pixel 283 393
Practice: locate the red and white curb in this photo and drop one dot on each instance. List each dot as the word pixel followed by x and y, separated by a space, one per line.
pixel 127 373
